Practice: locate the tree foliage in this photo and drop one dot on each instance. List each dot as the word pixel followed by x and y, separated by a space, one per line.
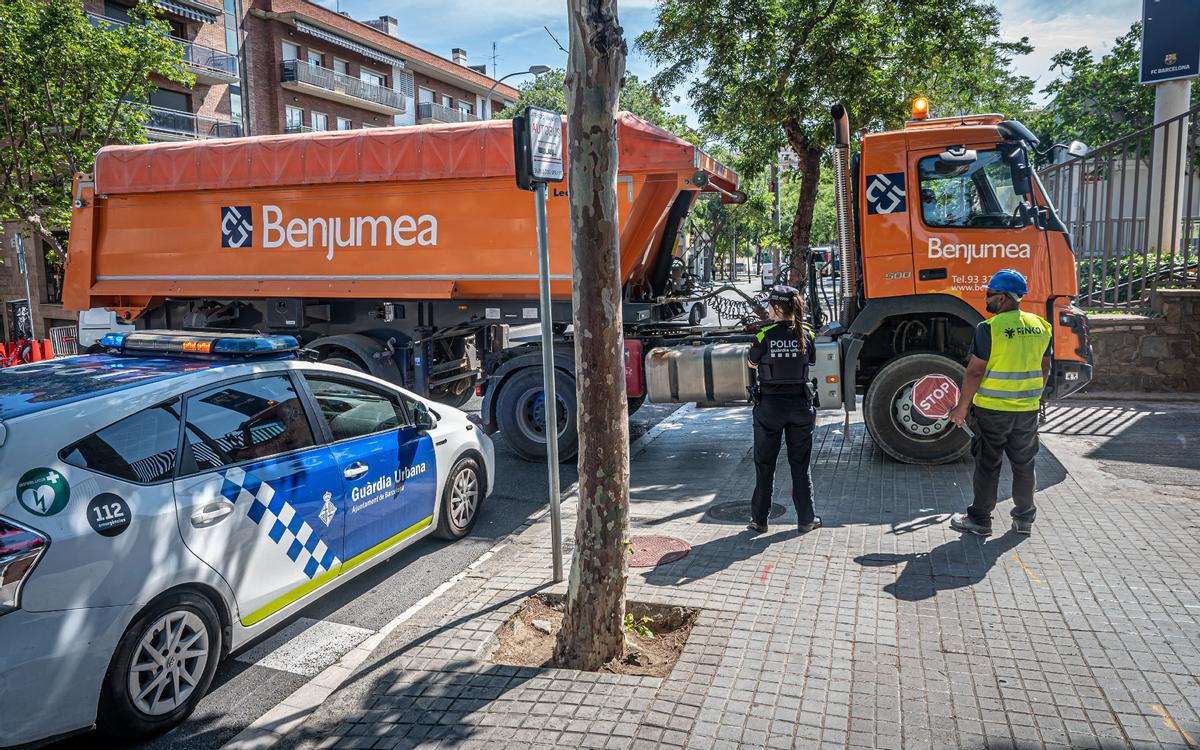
pixel 68 87
pixel 1097 99
pixel 549 91
pixel 762 74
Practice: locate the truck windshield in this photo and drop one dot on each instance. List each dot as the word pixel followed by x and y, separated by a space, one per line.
pixel 979 194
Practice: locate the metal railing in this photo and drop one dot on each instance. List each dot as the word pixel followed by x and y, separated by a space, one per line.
pixel 290 129
pixel 1134 218
pixel 441 113
pixel 187 124
pixel 315 75
pixel 194 55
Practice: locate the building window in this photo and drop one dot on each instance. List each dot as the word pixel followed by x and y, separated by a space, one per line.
pixel 341 66
pixel 373 78
pixel 294 119
pixel 116 12
pixel 447 102
pixel 320 121
pixel 424 96
pixel 174 100
pixel 465 108
pixel 344 124
pixel 316 59
pixel 291 51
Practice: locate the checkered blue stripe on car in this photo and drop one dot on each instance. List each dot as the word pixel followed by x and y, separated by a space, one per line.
pixel 283 524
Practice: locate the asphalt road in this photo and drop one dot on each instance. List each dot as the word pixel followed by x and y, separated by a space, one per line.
pixel 252 682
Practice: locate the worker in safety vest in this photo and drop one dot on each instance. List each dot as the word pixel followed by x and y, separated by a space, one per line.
pixel 1010 362
pixel 783 407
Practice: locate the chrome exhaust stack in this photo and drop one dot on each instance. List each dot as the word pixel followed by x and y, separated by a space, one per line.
pixel 844 211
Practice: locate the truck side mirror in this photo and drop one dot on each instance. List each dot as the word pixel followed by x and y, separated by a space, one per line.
pixel 1078 149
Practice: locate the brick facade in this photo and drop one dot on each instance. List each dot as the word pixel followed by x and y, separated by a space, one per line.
pixel 270 23
pixel 12 287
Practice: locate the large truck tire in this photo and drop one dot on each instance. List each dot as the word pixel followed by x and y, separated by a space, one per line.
pixel 350 362
pixel 894 424
pixel 521 416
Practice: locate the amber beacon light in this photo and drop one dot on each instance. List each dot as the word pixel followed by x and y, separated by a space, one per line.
pixel 920 108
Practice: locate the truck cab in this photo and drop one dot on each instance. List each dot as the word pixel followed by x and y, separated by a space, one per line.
pixel 933 210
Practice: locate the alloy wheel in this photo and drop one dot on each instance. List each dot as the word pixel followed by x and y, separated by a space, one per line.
pixel 168 663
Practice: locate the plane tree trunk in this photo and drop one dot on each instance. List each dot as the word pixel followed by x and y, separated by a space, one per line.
pixel 593 625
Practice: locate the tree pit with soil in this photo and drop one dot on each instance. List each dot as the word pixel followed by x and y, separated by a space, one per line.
pixel 655 635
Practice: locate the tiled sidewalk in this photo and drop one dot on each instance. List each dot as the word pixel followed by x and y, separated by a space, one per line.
pixel 885 629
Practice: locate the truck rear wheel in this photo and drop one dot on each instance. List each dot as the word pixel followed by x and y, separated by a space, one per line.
pixel 520 410
pixel 895 425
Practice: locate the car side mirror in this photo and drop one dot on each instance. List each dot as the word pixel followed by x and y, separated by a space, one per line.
pixel 423 419
pixel 1078 149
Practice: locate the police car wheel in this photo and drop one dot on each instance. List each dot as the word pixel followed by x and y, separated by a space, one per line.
pixel 892 426
pixel 461 498
pixel 163 665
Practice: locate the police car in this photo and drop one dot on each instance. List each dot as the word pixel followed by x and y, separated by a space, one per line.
pixel 165 503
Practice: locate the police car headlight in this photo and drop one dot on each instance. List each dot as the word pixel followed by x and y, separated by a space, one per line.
pixel 20 549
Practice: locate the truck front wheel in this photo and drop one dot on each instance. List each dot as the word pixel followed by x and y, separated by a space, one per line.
pixel 521 412
pixel 895 425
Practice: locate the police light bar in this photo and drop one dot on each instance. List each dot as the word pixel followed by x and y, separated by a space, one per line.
pixel 186 342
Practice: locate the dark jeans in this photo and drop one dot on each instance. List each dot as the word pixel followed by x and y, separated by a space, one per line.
pixel 998 434
pixel 776 417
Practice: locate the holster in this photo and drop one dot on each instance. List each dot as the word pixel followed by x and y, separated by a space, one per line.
pixel 755 392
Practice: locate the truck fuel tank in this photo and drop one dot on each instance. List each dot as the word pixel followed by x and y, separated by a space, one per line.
pixel 703 374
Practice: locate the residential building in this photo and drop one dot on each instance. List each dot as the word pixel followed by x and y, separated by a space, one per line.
pixel 209 32
pixel 45 287
pixel 310 68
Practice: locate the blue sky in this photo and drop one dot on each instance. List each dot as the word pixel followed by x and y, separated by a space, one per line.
pixel 516 28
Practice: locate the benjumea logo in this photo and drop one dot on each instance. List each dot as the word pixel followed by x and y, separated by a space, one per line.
pixel 327 233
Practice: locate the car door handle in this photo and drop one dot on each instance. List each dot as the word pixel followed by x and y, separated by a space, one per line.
pixel 211 514
pixel 355 470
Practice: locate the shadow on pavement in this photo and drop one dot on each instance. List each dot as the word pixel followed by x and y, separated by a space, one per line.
pixel 961 562
pixel 717 555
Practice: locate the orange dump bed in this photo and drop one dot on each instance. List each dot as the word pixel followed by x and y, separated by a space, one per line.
pixel 426 212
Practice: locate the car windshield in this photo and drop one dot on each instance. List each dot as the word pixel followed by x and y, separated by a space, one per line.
pixel 45 385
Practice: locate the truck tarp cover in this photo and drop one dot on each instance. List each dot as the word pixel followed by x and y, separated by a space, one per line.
pixel 419 212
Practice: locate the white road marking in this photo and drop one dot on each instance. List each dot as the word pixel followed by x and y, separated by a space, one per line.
pixel 305 647
pixel 291 713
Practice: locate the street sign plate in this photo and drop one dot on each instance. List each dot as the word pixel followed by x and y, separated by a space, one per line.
pixel 1170 44
pixel 935 396
pixel 545 144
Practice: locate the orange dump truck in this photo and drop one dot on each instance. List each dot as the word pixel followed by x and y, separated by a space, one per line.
pixel 404 252
pixel 409 252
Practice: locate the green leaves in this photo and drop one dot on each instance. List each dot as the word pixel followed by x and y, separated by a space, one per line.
pixel 549 90
pixel 67 88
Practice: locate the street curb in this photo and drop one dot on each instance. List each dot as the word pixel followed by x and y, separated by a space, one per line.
pixel 289 715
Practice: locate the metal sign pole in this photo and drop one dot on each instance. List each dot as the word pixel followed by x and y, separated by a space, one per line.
pixel 18 243
pixel 551 400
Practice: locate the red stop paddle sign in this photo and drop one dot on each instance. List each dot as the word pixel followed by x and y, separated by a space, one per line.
pixel 935 396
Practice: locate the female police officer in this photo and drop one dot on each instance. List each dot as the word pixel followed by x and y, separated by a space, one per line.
pixel 783 407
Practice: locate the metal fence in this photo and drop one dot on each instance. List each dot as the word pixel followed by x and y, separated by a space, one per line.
pixel 1132 207
pixel 172 122
pixel 64 340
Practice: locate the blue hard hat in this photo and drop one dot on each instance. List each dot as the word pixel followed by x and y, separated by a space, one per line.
pixel 1008 281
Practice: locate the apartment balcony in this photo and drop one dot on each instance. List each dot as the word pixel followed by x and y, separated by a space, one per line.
pixel 210 66
pixel 292 129
pixel 305 78
pixel 173 125
pixel 428 112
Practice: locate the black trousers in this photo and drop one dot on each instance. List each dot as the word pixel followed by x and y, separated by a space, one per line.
pixel 999 434
pixel 777 417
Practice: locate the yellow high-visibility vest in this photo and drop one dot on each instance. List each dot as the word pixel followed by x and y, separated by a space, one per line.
pixel 1013 378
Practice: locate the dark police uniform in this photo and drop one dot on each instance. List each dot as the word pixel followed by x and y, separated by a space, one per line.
pixel 785 410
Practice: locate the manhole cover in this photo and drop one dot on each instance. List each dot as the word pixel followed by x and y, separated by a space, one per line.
pixel 649 551
pixel 739 512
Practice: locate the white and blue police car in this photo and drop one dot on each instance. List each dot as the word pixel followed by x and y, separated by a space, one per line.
pixel 165 503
